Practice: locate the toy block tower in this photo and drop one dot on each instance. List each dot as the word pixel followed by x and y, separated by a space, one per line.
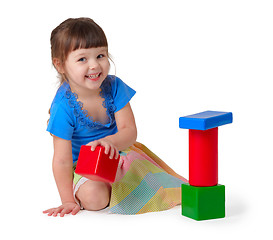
pixel 203 198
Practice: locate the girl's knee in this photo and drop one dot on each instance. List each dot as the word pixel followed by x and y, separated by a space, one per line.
pixel 94 196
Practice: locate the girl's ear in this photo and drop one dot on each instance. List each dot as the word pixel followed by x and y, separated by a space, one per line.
pixel 58 65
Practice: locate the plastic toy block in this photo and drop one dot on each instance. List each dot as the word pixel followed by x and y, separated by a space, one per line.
pixel 203 157
pixel 205 120
pixel 96 165
pixel 203 203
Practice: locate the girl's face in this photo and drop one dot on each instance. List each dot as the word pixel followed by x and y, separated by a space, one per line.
pixel 87 68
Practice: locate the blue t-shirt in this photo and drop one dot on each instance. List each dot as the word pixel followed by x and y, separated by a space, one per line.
pixel 69 121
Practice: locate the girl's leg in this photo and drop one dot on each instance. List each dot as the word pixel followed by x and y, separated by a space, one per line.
pixel 94 195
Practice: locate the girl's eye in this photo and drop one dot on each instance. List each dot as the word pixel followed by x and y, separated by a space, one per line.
pixel 82 60
pixel 100 56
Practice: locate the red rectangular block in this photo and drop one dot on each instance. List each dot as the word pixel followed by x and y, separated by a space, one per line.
pixel 96 165
pixel 203 157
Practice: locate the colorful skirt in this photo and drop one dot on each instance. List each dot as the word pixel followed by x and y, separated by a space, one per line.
pixel 144 183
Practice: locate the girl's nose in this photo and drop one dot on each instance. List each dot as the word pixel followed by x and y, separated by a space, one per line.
pixel 93 65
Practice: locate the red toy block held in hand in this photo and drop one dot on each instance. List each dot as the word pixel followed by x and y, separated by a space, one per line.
pixel 96 165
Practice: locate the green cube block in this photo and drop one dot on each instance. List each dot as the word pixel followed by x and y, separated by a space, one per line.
pixel 203 203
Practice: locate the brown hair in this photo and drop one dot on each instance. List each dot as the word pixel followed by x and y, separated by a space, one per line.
pixel 73 34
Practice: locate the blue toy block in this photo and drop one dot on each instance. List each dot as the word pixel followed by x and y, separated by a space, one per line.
pixel 205 120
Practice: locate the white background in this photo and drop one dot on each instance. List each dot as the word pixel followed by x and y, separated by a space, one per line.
pixel 182 57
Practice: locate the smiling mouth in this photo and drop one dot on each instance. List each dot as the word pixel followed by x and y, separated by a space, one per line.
pixel 93 77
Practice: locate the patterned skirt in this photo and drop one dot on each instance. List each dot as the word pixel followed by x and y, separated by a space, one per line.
pixel 144 183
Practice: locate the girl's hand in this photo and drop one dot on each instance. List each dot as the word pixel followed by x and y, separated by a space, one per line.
pixel 66 208
pixel 109 147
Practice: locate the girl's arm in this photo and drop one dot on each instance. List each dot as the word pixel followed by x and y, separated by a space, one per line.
pixel 127 131
pixel 63 173
pixel 126 135
pixel 63 168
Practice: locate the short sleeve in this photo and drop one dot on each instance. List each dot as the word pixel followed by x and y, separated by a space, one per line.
pixel 122 93
pixel 60 122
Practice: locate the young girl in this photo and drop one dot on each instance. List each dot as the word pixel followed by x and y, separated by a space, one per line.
pixel 92 108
